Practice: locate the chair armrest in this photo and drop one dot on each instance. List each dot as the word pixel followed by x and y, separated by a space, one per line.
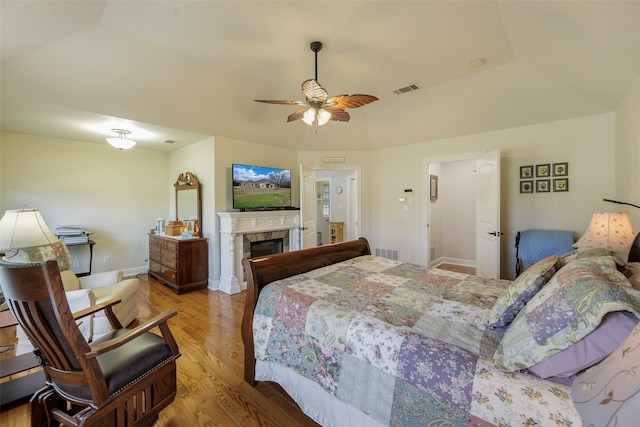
pixel 100 280
pixel 80 299
pixel 160 320
pixel 93 309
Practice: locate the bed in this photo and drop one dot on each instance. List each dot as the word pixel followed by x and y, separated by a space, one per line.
pixel 356 339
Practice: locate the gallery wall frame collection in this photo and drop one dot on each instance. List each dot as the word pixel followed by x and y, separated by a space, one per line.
pixel 544 178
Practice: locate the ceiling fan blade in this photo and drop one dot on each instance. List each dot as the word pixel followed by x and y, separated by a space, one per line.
pixel 298 114
pixel 338 114
pixel 351 101
pixel 313 91
pixel 273 101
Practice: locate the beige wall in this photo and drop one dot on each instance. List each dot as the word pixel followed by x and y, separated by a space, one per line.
pixel 116 194
pixel 199 159
pixel 627 171
pixel 587 143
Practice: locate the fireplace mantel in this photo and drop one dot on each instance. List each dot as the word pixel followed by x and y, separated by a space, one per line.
pixel 234 225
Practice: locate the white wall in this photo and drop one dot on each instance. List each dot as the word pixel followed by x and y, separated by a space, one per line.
pixel 627 171
pixel 587 143
pixel 117 194
pixel 457 184
pixel 198 159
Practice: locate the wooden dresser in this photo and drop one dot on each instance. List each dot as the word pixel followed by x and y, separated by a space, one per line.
pixel 182 265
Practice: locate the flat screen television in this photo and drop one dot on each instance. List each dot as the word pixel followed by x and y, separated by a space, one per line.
pixel 261 188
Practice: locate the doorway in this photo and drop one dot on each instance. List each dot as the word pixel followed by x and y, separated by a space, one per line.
pixel 336 198
pixel 463 213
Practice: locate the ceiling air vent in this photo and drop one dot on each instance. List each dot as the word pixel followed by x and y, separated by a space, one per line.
pixel 168 141
pixel 406 89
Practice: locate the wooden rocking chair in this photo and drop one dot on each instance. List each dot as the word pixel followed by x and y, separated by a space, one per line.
pixel 122 379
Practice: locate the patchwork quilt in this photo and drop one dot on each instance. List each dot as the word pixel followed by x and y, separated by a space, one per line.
pixel 405 344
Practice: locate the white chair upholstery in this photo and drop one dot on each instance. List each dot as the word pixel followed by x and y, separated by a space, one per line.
pixel 106 286
pixel 84 292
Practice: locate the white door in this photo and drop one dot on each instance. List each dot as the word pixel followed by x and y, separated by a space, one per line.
pixel 307 207
pixel 488 216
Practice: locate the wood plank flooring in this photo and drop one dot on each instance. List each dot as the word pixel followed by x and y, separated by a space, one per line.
pixel 211 389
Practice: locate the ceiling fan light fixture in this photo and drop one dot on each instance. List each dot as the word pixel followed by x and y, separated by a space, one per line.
pixel 121 142
pixel 323 116
pixel 309 116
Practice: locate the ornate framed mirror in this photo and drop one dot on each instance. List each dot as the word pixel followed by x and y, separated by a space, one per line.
pixel 188 204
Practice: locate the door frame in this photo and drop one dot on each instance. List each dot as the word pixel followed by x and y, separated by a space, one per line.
pixel 354 201
pixel 426 206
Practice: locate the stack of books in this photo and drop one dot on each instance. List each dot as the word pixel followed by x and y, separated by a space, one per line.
pixel 72 234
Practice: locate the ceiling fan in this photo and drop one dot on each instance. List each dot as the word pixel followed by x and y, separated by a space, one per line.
pixel 319 107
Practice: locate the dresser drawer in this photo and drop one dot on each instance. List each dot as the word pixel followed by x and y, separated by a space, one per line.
pixel 154 253
pixel 169 275
pixel 171 245
pixel 155 266
pixel 169 258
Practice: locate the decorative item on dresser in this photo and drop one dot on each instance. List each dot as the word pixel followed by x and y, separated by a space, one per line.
pixel 181 264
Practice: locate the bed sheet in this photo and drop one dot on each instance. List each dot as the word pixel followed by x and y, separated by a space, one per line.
pixel 403 344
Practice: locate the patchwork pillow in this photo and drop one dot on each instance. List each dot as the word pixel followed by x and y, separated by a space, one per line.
pixel 56 250
pixel 566 310
pixel 609 394
pixel 521 290
pixel 588 252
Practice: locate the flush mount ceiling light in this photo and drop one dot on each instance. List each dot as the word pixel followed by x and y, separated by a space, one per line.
pixel 121 142
pixel 319 108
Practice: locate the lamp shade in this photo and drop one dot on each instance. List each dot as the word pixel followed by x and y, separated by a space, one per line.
pixel 609 230
pixel 24 228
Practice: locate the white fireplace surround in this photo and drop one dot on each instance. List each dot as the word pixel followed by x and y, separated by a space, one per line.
pixel 235 225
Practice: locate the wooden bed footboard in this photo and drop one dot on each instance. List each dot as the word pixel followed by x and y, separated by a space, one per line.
pixel 263 270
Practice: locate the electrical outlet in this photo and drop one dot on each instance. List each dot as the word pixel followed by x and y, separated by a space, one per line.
pixel 107 259
pixel 410 255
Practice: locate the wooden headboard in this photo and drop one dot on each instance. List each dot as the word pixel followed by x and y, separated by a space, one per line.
pixel 263 270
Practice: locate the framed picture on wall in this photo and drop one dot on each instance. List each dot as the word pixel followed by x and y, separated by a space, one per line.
pixel 561 184
pixel 543 170
pixel 543 185
pixel 561 169
pixel 526 172
pixel 433 187
pixel 526 186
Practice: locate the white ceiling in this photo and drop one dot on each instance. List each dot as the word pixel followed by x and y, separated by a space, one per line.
pixel 183 70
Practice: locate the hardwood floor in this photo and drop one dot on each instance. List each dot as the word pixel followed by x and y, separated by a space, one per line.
pixel 211 389
pixel 457 268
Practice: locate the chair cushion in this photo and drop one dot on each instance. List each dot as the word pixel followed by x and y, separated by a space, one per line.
pixel 126 364
pixel 69 280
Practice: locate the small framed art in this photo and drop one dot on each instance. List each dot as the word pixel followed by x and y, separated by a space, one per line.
pixel 561 184
pixel 526 172
pixel 543 171
pixel 543 185
pixel 526 186
pixel 561 169
pixel 433 194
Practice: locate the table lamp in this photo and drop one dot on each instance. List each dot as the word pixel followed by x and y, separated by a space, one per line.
pixel 23 228
pixel 609 230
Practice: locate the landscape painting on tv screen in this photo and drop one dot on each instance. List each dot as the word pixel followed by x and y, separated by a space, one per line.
pixel 257 187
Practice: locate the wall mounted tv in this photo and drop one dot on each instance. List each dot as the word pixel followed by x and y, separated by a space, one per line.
pixel 261 188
